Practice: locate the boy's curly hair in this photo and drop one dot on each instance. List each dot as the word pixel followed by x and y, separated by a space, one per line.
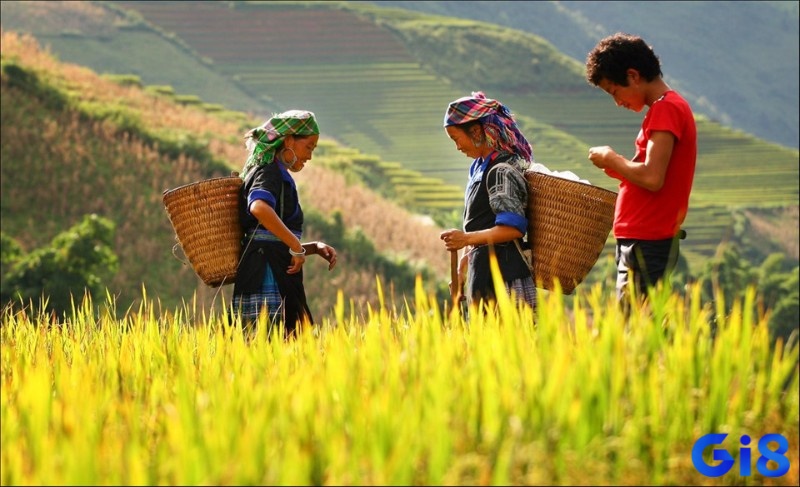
pixel 615 54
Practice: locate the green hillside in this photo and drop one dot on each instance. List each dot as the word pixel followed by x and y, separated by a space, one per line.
pixel 551 91
pixel 77 144
pixel 714 52
pixel 379 80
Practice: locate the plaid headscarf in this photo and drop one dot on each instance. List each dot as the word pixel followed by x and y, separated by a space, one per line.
pixel 498 123
pixel 262 142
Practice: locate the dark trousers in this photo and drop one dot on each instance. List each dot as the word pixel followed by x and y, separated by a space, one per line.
pixel 645 263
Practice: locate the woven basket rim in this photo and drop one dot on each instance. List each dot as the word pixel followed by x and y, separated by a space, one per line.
pixel 537 173
pixel 202 181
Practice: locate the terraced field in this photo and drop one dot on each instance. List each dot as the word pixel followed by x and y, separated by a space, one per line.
pixel 362 82
pixel 392 109
pixel 285 33
pixel 364 87
pixel 589 117
pixel 372 93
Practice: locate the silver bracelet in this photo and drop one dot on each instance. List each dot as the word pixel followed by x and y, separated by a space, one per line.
pixel 297 254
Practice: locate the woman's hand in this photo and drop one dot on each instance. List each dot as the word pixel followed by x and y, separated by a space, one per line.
pixel 297 264
pixel 454 239
pixel 325 251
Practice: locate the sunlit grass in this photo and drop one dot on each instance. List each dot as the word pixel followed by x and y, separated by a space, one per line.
pixel 414 394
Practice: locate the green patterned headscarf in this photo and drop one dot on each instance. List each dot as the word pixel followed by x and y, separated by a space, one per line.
pixel 262 142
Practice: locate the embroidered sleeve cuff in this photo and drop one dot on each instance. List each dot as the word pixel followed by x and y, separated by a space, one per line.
pixel 512 220
pixel 260 194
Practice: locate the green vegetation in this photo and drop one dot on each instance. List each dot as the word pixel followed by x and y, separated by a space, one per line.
pixel 125 79
pixel 122 50
pixel 78 261
pixel 478 54
pixel 722 80
pixel 355 246
pixel 383 91
pixel 731 275
pixel 380 104
pixel 74 150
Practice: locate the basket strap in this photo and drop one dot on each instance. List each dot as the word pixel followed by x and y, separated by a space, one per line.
pixel 522 253
pixel 281 210
pixel 174 248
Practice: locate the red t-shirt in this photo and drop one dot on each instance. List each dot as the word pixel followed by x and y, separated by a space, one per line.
pixel 655 215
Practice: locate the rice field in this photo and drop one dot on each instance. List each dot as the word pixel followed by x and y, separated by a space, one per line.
pixel 410 394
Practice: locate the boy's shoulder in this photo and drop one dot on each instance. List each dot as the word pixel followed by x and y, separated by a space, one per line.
pixel 672 98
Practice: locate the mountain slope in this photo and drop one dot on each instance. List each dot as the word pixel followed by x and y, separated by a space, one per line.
pixel 389 101
pixel 75 143
pixel 715 52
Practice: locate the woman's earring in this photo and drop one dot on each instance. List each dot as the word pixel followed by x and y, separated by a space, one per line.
pixel 294 157
pixel 478 138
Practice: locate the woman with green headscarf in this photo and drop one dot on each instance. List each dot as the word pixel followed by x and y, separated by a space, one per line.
pixel 270 274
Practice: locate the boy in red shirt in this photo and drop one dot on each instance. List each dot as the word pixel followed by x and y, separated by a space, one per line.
pixel 655 184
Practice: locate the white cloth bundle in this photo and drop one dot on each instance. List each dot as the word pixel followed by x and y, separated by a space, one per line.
pixel 559 174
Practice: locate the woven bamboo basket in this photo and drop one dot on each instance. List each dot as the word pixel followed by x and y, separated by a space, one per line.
pixel 205 216
pixel 568 225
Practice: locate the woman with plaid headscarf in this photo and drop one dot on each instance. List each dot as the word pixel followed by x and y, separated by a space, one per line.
pixel 496 199
pixel 270 274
